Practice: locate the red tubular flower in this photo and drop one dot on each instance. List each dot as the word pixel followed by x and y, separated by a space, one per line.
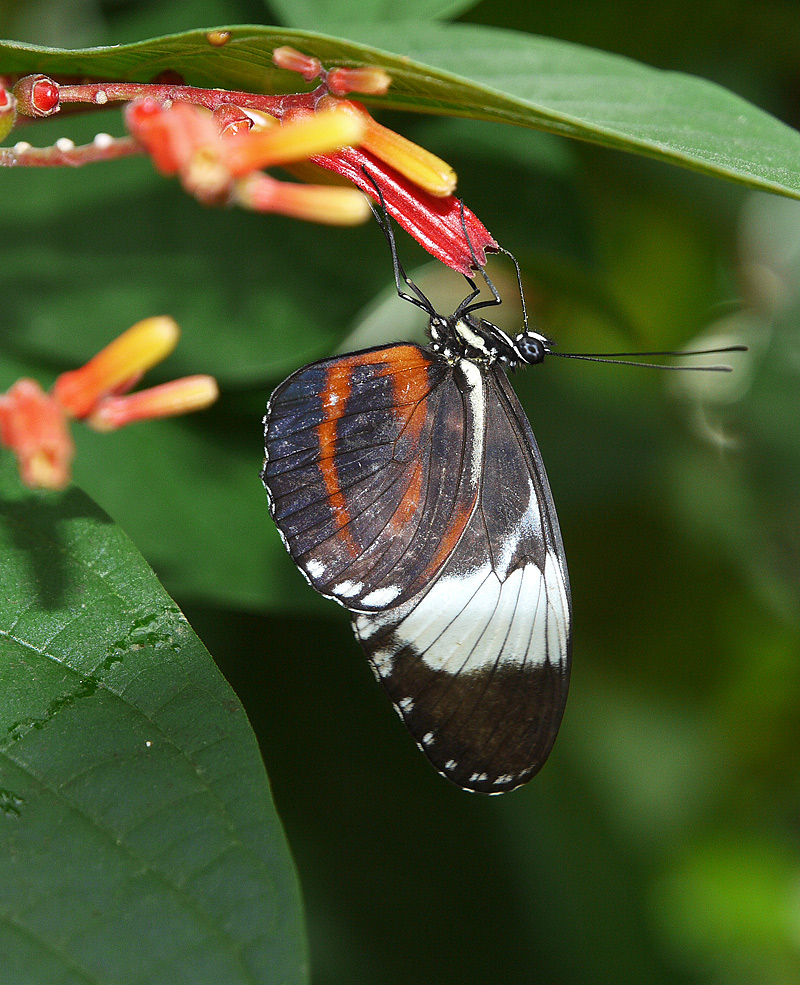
pixel 218 142
pixel 171 136
pixel 416 186
pixel 447 229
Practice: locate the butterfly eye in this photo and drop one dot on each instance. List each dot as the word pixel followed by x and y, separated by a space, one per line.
pixel 531 348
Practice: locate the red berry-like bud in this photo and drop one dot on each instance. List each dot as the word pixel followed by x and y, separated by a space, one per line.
pixel 37 96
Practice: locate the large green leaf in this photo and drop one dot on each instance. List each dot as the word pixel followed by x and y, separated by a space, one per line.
pixel 138 839
pixel 317 14
pixel 486 73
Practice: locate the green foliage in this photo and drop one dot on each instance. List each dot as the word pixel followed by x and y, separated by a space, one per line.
pixel 137 827
pixel 486 74
pixel 315 15
pixel 659 844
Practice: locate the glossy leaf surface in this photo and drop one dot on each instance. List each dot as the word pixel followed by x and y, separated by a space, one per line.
pixel 138 839
pixel 490 74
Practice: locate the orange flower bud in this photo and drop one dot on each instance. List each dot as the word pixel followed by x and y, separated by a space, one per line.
pixel 299 138
pixel 181 396
pixel 295 61
pixel 123 361
pixel 314 203
pixel 369 80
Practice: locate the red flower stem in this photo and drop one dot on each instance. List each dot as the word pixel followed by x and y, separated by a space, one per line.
pixel 22 155
pixel 102 93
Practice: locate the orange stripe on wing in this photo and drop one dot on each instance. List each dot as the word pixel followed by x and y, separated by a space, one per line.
pixel 411 386
pixel 334 396
pixel 458 522
pixel 407 366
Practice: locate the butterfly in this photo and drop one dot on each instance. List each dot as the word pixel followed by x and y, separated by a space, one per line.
pixel 407 485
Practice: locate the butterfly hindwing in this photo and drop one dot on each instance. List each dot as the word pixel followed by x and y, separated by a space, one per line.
pixel 477 664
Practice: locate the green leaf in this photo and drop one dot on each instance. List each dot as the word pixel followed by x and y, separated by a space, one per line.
pixel 316 14
pixel 486 73
pixel 138 839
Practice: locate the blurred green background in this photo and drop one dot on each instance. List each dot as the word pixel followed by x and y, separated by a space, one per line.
pixel 660 842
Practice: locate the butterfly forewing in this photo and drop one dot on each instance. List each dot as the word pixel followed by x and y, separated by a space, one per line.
pixel 410 488
pixel 360 472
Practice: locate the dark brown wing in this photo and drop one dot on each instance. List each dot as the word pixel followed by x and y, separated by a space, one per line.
pixel 364 472
pixel 477 663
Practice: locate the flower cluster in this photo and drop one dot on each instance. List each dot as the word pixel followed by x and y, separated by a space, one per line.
pixel 34 424
pixel 220 142
pixel 219 156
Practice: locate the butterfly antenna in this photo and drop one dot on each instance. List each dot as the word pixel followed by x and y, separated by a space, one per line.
pixel 519 285
pixel 622 358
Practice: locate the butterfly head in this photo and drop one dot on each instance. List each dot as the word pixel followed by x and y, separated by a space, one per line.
pixel 464 335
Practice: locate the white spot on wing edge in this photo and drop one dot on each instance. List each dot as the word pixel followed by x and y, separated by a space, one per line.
pixel 347 589
pixel 382 661
pixel 381 596
pixel 316 569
